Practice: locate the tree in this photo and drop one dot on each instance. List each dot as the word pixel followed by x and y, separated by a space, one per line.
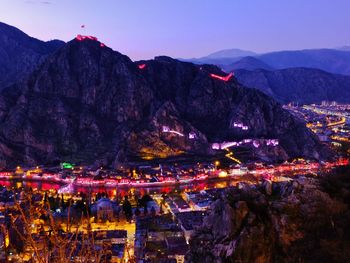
pixel 127 209
pixel 137 212
pixel 153 211
pixel 51 243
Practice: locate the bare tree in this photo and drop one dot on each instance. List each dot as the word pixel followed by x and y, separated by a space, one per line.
pixel 46 240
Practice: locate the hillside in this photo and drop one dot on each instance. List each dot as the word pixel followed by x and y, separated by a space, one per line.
pixel 247 63
pixel 335 61
pixel 330 60
pixel 305 220
pixel 20 54
pixel 88 103
pixel 301 85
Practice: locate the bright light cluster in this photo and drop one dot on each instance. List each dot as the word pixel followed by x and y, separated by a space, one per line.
pixel 272 142
pixel 240 125
pixel 142 66
pixel 256 143
pixel 166 129
pixel 67 189
pixel 191 135
pixel 81 38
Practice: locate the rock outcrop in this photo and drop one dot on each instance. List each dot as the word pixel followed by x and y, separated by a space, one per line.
pixel 87 103
pixel 20 54
pixel 305 220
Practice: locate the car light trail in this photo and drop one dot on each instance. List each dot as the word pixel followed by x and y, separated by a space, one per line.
pixel 172 180
pixel 342 121
pixel 230 156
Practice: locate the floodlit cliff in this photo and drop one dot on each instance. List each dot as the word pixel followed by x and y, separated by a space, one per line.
pixel 87 103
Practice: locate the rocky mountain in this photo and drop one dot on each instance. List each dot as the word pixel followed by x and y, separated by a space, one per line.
pixel 335 61
pixel 330 60
pixel 20 54
pixel 222 56
pixel 301 85
pixel 230 53
pixel 87 103
pixel 305 220
pixel 247 63
pixel 344 48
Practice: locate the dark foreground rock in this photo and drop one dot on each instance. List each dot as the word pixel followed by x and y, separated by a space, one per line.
pixel 306 220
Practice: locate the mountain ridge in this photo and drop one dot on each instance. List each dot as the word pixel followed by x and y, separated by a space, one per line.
pixel 303 85
pixel 248 63
pixel 230 53
pixel 20 53
pixel 335 61
pixel 90 104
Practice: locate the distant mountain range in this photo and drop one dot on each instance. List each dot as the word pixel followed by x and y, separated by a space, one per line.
pixel 302 85
pixel 86 103
pixel 304 76
pixel 222 57
pixel 230 53
pixel 331 60
pixel 248 63
pixel 344 48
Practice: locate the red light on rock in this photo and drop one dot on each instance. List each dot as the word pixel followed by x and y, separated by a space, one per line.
pixel 225 78
pixel 81 38
pixel 142 66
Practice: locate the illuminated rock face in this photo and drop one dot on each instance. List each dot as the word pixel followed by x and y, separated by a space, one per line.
pixel 90 104
pixel 164 136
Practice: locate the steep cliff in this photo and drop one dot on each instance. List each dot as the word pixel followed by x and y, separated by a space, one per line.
pixel 305 220
pixel 88 103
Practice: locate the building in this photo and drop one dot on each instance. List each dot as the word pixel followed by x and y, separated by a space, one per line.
pixel 180 204
pixel 104 209
pixel 159 239
pixel 189 221
pixel 114 241
pixel 199 200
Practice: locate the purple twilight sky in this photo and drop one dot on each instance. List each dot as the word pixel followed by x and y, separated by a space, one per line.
pixel 186 28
